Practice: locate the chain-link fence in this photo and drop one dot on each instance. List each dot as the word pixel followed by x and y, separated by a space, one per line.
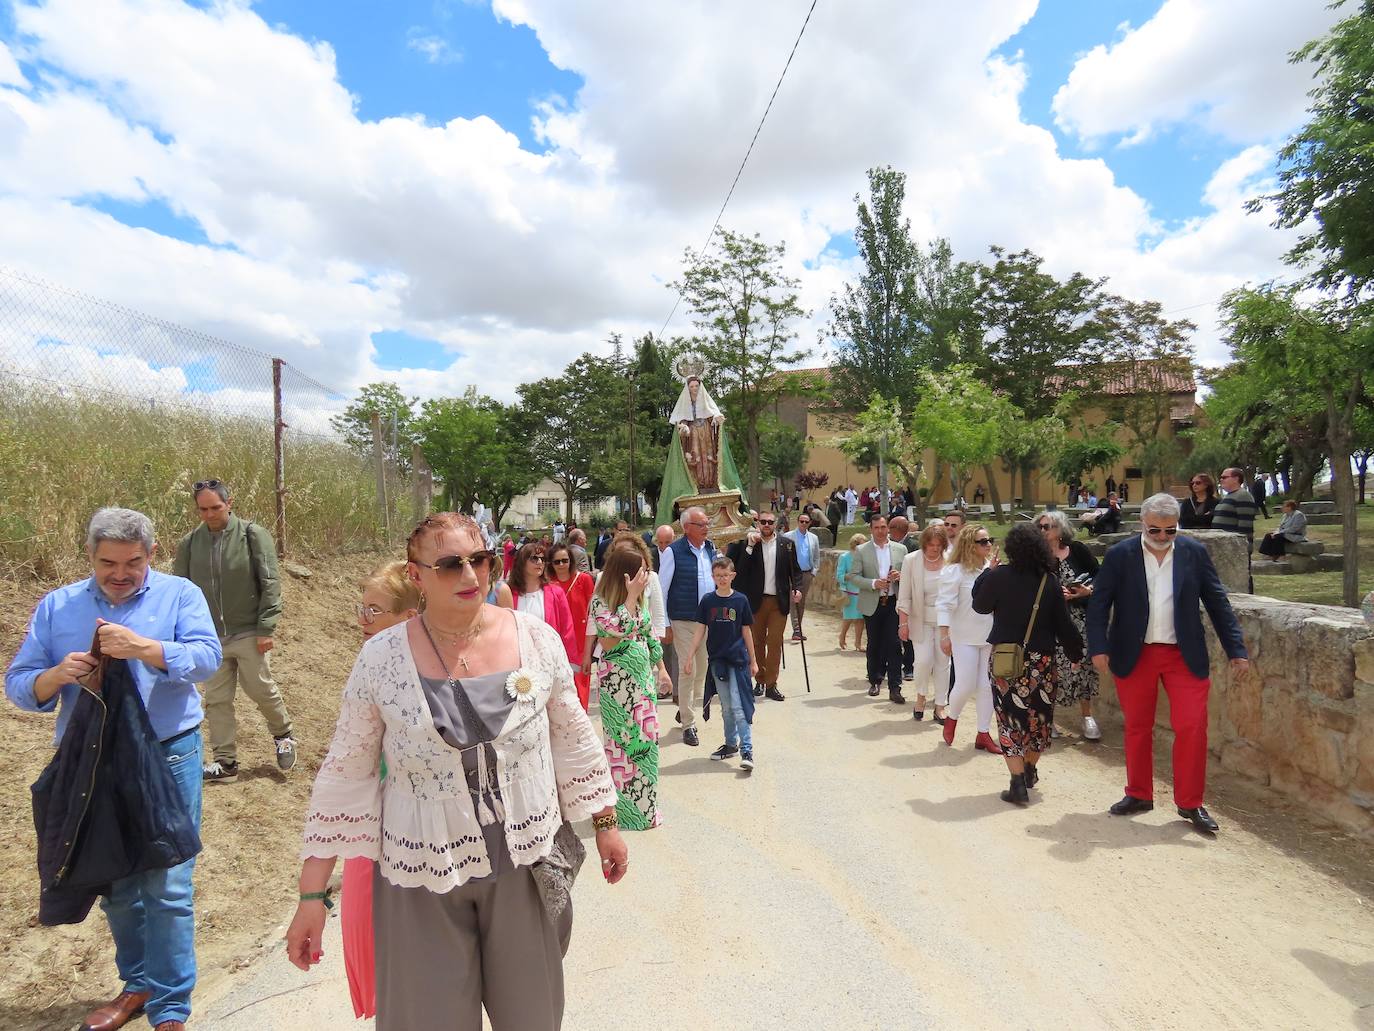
pixel 101 404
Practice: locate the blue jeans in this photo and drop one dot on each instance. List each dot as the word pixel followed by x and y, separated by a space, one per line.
pixel 738 733
pixel 151 915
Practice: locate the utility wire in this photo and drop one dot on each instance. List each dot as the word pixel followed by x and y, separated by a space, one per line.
pixel 740 171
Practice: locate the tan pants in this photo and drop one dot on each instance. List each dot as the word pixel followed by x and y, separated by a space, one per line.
pixel 690 690
pixel 799 607
pixel 242 667
pixel 767 630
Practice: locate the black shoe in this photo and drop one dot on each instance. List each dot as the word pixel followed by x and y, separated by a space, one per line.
pixel 896 698
pixel 918 714
pixel 1130 805
pixel 758 690
pixel 1200 818
pixel 746 759
pixel 773 694
pixel 724 752
pixel 1016 794
pixel 874 690
pixel 677 717
pixel 1032 776
pixel 689 737
pixel 908 675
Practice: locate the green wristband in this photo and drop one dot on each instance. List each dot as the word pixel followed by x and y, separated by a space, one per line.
pixel 326 896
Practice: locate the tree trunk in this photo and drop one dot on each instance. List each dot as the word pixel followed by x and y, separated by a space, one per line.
pixel 1027 487
pixel 1343 485
pixel 916 500
pixel 751 444
pixel 994 494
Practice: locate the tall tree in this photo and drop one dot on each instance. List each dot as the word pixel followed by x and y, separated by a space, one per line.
pixel 472 444
pixel 882 429
pixel 385 400
pixel 1032 322
pixel 1326 170
pixel 567 420
pixel 784 452
pixel 1328 347
pixel 746 307
pixel 961 418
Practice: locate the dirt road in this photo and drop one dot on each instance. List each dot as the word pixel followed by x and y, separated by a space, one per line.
pixel 866 876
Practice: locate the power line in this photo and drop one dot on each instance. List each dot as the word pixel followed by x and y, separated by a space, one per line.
pixel 740 171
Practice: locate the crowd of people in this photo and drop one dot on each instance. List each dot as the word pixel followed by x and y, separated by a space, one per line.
pixel 464 749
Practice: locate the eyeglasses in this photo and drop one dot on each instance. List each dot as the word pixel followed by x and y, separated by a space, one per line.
pixel 560 561
pixel 201 485
pixel 1045 526
pixel 1197 483
pixel 1155 531
pixel 453 565
pixel 983 542
pixel 536 558
pixel 367 613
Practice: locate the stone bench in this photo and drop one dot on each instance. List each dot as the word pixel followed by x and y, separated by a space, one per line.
pixel 1317 508
pixel 1301 557
pixel 1325 519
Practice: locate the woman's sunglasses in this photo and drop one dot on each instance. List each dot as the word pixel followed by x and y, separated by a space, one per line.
pixel 983 542
pixel 560 561
pixel 453 565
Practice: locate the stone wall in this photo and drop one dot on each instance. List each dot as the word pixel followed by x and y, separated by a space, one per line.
pixel 1301 721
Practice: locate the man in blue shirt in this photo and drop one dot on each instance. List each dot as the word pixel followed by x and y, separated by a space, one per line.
pixel 808 559
pixel 161 625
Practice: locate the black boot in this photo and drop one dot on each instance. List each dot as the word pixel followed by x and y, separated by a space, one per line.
pixel 1032 776
pixel 1017 792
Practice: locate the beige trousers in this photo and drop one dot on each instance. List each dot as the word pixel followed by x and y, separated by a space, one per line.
pixel 690 690
pixel 242 667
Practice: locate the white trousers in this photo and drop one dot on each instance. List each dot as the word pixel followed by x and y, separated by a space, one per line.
pixel 931 665
pixel 971 680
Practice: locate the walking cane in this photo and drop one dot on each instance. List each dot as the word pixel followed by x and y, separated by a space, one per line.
pixel 805 671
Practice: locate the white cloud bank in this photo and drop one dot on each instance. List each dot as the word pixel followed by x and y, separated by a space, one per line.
pixel 324 228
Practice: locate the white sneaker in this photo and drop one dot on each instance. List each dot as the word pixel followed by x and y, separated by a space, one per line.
pixel 1091 731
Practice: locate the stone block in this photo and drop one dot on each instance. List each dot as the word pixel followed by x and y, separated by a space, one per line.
pixel 1328 649
pixel 1331 562
pixel 1317 507
pixel 1263 567
pixel 1230 555
pixel 1327 519
pixel 1246 759
pixel 1304 548
pixel 1364 664
pixel 1301 563
pixel 1244 702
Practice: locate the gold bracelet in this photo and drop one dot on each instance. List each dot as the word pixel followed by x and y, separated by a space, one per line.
pixel 608 822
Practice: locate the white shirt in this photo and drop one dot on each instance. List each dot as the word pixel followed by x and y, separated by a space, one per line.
pixel 533 604
pixel 1159 582
pixel 770 565
pixel 884 554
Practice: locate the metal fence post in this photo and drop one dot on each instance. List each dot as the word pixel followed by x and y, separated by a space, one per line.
pixel 279 456
pixel 379 460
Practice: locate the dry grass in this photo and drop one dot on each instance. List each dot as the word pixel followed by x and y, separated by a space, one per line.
pixel 61 457
pixel 245 877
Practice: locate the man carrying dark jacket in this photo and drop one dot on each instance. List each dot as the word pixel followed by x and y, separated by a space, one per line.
pixel 234 562
pixel 768 575
pixel 1144 626
pixel 150 914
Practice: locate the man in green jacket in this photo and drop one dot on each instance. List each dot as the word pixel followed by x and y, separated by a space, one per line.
pixel 234 563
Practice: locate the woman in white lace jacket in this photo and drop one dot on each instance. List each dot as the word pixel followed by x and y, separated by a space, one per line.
pixel 488 753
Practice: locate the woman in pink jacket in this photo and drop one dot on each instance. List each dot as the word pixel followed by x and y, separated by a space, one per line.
pixel 529 584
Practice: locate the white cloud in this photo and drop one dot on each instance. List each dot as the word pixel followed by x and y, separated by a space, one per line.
pixel 1220 64
pixel 325 228
pixel 10 74
pixel 434 49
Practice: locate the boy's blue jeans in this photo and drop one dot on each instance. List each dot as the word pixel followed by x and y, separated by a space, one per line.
pixel 738 733
pixel 150 914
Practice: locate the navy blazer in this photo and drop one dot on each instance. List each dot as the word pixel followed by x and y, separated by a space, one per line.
pixel 1120 593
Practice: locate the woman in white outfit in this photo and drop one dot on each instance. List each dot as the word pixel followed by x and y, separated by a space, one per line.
pixel 917 620
pixel 964 633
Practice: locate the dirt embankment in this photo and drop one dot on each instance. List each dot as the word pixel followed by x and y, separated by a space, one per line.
pixel 245 877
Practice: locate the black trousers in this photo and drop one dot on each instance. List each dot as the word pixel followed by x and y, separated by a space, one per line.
pixel 884 647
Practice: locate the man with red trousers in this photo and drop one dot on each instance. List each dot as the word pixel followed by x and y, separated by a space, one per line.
pixel 1145 626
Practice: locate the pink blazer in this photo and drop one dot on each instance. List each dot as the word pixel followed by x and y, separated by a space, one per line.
pixel 558 615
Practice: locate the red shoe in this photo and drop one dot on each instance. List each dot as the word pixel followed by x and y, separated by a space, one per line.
pixel 987 743
pixel 950 723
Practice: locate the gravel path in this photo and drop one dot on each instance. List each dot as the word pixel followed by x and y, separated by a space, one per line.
pixel 866 876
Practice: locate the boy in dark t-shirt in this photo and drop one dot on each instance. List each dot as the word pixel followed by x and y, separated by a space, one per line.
pixel 723 614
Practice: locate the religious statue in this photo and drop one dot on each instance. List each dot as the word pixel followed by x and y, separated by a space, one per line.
pixel 699 422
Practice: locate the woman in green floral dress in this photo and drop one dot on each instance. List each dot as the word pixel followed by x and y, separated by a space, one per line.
pixel 629 711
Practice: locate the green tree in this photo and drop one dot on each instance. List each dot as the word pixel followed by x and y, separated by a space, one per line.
pixel 568 420
pixel 472 444
pixel 961 418
pixel 1033 322
pixel 384 399
pixel 1327 347
pixel 746 306
pixel 784 452
pixel 1091 451
pixel 1326 170
pixel 883 429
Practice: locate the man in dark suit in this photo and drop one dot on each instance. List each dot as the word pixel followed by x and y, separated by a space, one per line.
pixel 1144 626
pixel 766 572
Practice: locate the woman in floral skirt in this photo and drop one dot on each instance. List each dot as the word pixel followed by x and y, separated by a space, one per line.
pixel 629 712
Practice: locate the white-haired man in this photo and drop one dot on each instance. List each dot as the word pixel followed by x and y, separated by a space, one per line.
pixel 161 626
pixel 684 572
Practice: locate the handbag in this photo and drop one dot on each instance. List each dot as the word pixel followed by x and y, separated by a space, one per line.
pixel 1009 660
pixel 555 873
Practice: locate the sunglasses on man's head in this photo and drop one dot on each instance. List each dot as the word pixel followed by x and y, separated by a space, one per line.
pixel 201 485
pixel 453 565
pixel 1155 531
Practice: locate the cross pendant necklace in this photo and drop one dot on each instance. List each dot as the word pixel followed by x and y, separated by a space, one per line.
pixel 452 677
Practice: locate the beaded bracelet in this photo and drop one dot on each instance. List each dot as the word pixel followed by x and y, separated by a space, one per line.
pixel 607 822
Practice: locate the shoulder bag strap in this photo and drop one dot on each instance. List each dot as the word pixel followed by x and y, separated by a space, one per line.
pixel 1035 610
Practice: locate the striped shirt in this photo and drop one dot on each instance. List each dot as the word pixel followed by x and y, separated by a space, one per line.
pixel 1235 513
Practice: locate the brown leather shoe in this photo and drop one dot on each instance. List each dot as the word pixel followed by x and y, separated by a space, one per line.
pixel 170 1025
pixel 116 1013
